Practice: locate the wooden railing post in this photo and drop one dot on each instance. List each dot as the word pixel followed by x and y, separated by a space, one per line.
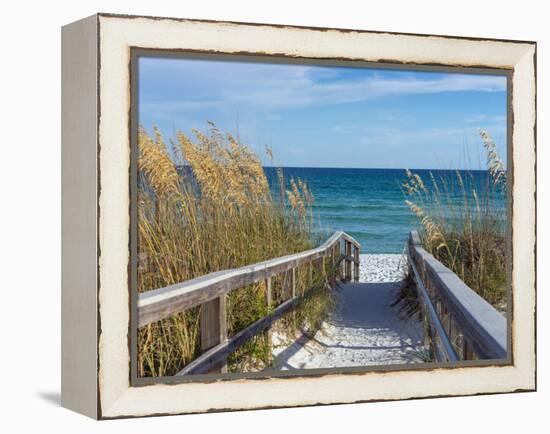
pixel 348 262
pixel 268 297
pixel 269 303
pixel 293 283
pixel 333 259
pixel 338 266
pixel 356 264
pixel 466 351
pixel 342 264
pixel 213 325
pixel 289 284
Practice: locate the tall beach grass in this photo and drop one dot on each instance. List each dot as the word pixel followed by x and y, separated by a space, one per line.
pixel 463 222
pixel 204 205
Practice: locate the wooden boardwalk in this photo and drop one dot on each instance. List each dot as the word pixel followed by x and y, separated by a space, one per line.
pixel 339 253
pixel 365 330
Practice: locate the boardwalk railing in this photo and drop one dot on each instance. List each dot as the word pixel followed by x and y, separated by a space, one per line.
pixel 461 325
pixel 340 251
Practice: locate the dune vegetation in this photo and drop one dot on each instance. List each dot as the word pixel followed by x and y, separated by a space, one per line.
pixel 205 205
pixel 463 223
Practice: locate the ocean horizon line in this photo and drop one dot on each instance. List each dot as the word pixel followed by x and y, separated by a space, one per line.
pixel 412 169
pixel 373 168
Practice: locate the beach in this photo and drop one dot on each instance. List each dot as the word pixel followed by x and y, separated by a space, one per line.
pixel 364 330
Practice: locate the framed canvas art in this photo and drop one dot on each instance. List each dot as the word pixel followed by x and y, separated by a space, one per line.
pixel 262 216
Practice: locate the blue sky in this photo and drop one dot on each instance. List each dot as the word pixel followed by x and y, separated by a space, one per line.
pixel 329 116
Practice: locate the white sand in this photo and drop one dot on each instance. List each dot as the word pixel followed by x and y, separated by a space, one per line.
pixel 365 330
pixel 382 268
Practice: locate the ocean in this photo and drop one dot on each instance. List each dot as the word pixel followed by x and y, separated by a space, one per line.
pixel 368 204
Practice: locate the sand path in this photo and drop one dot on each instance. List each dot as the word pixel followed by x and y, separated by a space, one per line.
pixel 365 330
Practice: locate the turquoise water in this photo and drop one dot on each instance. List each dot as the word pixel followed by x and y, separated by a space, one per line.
pixel 366 203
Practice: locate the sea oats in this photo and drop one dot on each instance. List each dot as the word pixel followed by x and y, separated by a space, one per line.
pixel 463 223
pixel 215 212
pixel 494 163
pixel 155 162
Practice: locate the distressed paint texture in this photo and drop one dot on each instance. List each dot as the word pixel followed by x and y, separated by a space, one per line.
pixel 117 34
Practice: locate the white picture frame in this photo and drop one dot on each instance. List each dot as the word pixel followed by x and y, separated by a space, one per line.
pixel 96 305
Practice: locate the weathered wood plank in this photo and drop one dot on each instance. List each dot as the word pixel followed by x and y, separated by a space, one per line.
pixel 269 303
pixel 213 327
pixel 348 262
pixel 268 296
pixel 293 283
pixel 335 256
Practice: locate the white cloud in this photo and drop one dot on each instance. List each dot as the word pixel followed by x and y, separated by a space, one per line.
pixel 301 90
pixel 270 86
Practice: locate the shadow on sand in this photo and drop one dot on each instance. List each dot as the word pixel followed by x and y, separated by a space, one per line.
pixel 365 330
